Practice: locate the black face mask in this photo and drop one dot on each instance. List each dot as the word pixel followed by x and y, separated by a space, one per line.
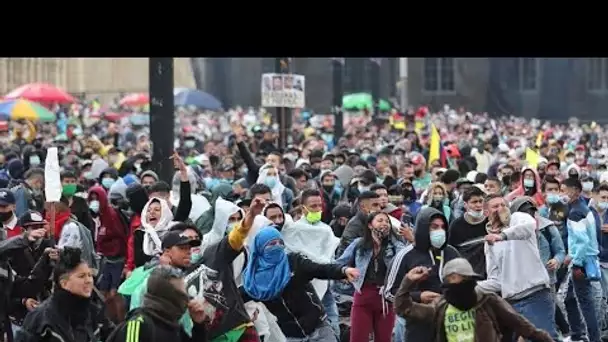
pixel 418 173
pixel 6 216
pixel 461 295
pixel 314 172
pixel 328 188
pixel 279 227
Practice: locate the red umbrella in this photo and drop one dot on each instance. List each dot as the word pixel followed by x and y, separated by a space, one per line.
pixel 138 99
pixel 111 116
pixel 40 92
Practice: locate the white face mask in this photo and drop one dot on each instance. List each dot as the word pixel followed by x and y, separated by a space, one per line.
pixel 587 186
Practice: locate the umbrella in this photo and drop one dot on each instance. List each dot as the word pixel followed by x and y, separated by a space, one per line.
pixel 197 98
pixel 136 99
pixel 40 92
pixel 23 109
pixel 359 101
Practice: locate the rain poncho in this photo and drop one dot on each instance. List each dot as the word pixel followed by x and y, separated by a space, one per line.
pixel 205 222
pixel 97 167
pixel 199 203
pixel 153 234
pixel 317 242
pixel 280 194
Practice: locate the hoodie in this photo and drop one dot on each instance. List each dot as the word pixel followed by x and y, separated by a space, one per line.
pixel 521 190
pixel 582 236
pixel 138 197
pixel 420 254
pixel 113 234
pixel 154 232
pixel 514 266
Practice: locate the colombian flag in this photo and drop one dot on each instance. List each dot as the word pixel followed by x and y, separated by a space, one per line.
pixel 436 151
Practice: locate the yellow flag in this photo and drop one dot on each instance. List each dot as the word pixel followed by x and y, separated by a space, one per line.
pixel 419 126
pixel 539 139
pixel 531 158
pixel 435 148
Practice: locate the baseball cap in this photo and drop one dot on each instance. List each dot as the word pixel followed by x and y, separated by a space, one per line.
pixel 6 197
pixel 459 266
pixel 30 218
pixel 176 238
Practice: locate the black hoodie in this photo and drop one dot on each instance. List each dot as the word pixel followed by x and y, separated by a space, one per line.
pixel 420 254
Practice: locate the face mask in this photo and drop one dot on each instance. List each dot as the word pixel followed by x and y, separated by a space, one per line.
pixel 230 227
pixel 461 295
pixel 69 190
pixel 565 199
pixel 380 234
pixel 364 156
pixel 195 256
pixel 189 143
pixel 362 188
pixel 313 216
pixel 603 205
pixel 94 206
pixel 438 198
pixel 528 183
pixel 476 214
pixel 88 175
pixel 552 198
pixel 4 217
pixel 271 181
pixel 437 238
pixel 273 254
pixel 587 186
pixel 569 160
pixel 34 161
pixel 107 183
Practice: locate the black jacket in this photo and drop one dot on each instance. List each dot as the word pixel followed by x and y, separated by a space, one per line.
pixel 420 255
pixel 299 310
pixel 354 229
pixel 142 327
pixel 80 209
pixel 49 322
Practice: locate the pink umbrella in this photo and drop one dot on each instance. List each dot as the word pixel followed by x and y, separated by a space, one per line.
pixel 136 99
pixel 40 92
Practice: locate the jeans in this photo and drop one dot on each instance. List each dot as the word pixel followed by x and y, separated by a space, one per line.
pixel 580 295
pixel 539 309
pixel 399 330
pixel 600 303
pixel 331 309
pixel 323 333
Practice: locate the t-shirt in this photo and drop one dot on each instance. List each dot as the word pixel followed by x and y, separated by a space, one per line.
pixel 459 325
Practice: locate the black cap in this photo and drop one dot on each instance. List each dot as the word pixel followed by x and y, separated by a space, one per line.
pixel 30 218
pixel 176 238
pixel 6 197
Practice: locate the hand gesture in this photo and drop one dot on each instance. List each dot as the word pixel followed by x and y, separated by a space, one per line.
pixel 578 273
pixel 407 233
pixel 53 253
pixel 36 234
pixel 552 265
pixel 351 274
pixel 197 311
pixel 30 304
pixel 238 133
pixel 429 296
pixel 492 238
pixel 418 273
pixel 178 164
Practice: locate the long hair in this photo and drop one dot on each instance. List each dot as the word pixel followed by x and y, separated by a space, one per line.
pixel 367 241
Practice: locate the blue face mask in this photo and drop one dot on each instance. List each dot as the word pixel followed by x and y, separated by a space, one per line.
pixel 195 257
pixel 107 183
pixel 274 253
pixel 34 161
pixel 528 183
pixel 553 198
pixel 271 181
pixel 602 205
pixel 437 238
pixel 94 206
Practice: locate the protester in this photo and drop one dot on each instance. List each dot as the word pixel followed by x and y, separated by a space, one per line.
pixel 462 314
pixel 72 313
pixel 164 302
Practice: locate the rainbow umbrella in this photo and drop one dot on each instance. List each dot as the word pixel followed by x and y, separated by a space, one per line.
pixel 26 110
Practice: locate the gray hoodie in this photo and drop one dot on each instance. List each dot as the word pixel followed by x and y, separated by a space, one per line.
pixel 514 266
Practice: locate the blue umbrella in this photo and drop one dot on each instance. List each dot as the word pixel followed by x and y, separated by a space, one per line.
pixel 197 98
pixel 139 119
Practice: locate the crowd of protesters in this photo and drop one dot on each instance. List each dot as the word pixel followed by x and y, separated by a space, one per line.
pixel 449 227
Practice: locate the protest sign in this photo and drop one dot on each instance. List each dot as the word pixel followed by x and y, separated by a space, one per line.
pixel 283 90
